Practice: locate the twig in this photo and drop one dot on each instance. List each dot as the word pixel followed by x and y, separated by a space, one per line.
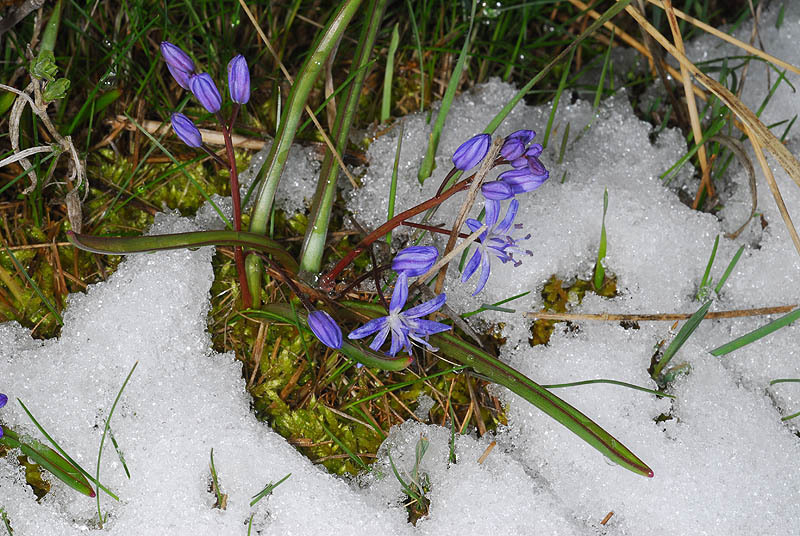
pixel 611 317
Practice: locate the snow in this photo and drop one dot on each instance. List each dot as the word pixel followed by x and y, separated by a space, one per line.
pixel 724 463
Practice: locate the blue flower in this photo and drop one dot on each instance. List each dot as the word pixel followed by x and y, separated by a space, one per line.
pixel 494 241
pixel 497 190
pixel 325 329
pixel 239 80
pixel 528 174
pixel 470 153
pixel 415 260
pixel 3 401
pixel 516 143
pixel 186 131
pixel 205 91
pixel 179 63
pixel 404 326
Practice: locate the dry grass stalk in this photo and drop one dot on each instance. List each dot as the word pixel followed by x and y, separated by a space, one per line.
pixel 757 132
pixel 634 43
pixel 609 317
pixel 691 106
pixel 732 40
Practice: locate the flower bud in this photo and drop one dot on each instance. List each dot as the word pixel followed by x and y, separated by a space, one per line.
pixel 497 190
pixel 3 400
pixel 179 63
pixel 206 92
pixel 415 260
pixel 239 80
pixel 325 329
pixel 186 131
pixel 524 179
pixel 515 144
pixel 470 153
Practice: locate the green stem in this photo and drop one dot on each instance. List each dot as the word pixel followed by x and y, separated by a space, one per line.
pixel 317 230
pixel 51 30
pixel 290 120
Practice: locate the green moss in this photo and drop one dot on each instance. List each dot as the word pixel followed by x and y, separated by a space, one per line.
pixel 558 295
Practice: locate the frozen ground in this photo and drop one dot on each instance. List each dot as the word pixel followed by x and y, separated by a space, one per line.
pixel 724 463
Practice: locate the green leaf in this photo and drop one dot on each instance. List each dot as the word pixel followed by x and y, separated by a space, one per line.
pixel 44 66
pixel 56 90
pixel 599 271
pixel 756 334
pixel 682 336
pixel 497 371
pixel 196 239
pixel 50 460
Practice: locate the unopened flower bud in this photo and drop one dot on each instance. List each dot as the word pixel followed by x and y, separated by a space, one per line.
pixel 239 80
pixel 179 63
pixel 515 144
pixel 206 92
pixel 186 131
pixel 415 260
pixel 470 153
pixel 497 190
pixel 325 329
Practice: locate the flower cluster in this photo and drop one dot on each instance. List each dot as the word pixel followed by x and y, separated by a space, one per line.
pixel 528 173
pixel 182 68
pixel 3 401
pixel 404 326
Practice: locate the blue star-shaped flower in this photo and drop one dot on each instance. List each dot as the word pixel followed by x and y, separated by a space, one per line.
pixel 494 241
pixel 404 326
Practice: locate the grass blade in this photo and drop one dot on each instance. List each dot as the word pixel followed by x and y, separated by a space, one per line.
pixel 428 162
pixel 599 270
pixel 386 103
pixel 64 454
pixel 267 490
pixel 756 334
pixel 682 336
pixel 106 430
pixel 705 281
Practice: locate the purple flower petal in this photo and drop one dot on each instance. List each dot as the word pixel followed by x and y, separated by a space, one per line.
pixel 429 327
pixel 471 266
pixel 497 190
pixel 239 80
pixel 511 213
pixel 325 329
pixel 426 308
pixel 492 208
pixel 179 63
pixel 206 92
pixel 3 400
pixel 367 329
pixel 486 268
pixel 380 338
pixel 415 260
pixel 515 144
pixel 470 153
pixel 400 294
pixel 186 130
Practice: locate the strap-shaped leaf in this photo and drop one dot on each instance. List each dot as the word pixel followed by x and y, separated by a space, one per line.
pixel 196 239
pixel 491 367
pixel 49 459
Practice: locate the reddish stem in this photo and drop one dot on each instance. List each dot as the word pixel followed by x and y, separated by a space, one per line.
pixel 327 281
pixel 433 229
pixel 238 254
